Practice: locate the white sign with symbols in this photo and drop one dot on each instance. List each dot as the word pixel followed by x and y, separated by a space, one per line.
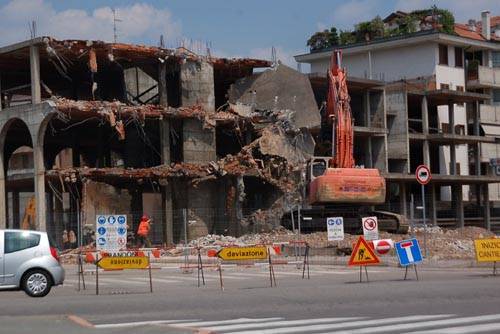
pixel 111 232
pixel 370 228
pixel 335 228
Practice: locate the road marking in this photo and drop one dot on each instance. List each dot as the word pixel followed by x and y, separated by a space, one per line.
pixel 223 322
pixel 224 276
pixel 463 329
pixel 271 324
pixel 350 324
pixel 400 327
pixel 142 323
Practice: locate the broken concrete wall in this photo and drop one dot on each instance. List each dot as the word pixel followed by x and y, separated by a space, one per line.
pixel 137 82
pixel 199 144
pixel 101 198
pixel 197 84
pixel 279 88
pixel 201 212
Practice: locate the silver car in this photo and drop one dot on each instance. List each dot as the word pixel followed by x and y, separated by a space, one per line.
pixel 29 261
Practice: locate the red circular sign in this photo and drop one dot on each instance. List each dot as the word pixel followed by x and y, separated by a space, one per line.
pixel 423 174
pixel 383 247
pixel 370 224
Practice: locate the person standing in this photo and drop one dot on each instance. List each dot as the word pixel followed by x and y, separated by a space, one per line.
pixel 143 232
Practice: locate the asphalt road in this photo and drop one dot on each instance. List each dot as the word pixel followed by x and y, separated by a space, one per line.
pixel 332 300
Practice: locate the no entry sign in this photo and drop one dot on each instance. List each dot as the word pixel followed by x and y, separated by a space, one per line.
pixel 423 174
pixel 383 246
pixel 370 228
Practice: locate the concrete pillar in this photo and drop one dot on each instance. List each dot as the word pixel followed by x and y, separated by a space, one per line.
pixel 459 205
pixel 15 209
pixel 3 202
pixel 36 94
pixel 197 85
pixel 368 123
pixel 433 215
pixel 486 206
pixel 162 84
pixel 198 143
pixel 59 218
pixel 477 151
pixel 167 205
pixel 402 199
pixel 453 152
pixel 1 96
pixel 40 198
pixel 425 131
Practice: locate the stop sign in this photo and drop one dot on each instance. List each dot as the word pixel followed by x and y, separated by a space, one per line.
pixel 383 246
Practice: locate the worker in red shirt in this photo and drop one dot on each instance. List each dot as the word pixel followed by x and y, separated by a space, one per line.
pixel 143 232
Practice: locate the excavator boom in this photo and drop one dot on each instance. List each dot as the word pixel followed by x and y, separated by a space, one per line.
pixel 342 182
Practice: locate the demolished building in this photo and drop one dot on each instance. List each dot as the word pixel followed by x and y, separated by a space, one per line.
pixel 203 145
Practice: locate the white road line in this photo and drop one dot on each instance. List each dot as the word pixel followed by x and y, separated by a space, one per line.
pixel 68 282
pixel 225 322
pixel 463 329
pixel 141 323
pixel 401 327
pixel 279 323
pixel 350 324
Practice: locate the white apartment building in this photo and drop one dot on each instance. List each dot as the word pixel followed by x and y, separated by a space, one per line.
pixel 466 61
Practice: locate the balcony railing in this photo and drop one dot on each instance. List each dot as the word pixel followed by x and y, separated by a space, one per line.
pixel 483 76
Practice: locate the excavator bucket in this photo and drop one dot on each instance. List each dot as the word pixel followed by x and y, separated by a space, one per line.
pixel 348 185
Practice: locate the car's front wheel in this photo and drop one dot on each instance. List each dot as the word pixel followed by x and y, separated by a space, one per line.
pixel 36 283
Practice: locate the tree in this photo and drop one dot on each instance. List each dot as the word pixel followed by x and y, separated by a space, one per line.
pixel 323 39
pixel 346 37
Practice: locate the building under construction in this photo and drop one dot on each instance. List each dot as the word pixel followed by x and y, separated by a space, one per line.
pixel 204 145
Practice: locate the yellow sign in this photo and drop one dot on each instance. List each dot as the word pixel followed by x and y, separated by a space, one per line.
pixel 243 253
pixel 363 254
pixel 124 262
pixel 487 250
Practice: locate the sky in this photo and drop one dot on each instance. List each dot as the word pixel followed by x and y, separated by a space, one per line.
pixel 230 28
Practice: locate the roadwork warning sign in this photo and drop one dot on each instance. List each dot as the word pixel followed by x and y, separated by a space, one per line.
pixel 487 250
pixel 124 262
pixel 243 253
pixel 363 254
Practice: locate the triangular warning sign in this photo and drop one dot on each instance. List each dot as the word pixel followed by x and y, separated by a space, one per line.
pixel 363 254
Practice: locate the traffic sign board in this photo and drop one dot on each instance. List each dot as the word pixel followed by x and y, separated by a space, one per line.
pixel 335 228
pixel 122 262
pixel 408 252
pixel 243 253
pixel 423 174
pixel 111 236
pixel 370 228
pixel 487 250
pixel 383 246
pixel 363 254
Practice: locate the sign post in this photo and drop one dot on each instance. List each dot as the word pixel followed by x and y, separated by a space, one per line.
pixel 370 228
pixel 423 175
pixel 488 250
pixel 111 232
pixel 363 255
pixel 408 252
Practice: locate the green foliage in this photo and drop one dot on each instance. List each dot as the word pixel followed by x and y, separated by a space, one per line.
pixel 346 37
pixel 430 18
pixel 323 39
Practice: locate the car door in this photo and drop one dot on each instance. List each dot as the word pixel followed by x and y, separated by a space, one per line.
pixel 1 258
pixel 19 247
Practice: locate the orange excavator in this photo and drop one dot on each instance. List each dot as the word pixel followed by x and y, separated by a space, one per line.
pixel 337 188
pixel 342 182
